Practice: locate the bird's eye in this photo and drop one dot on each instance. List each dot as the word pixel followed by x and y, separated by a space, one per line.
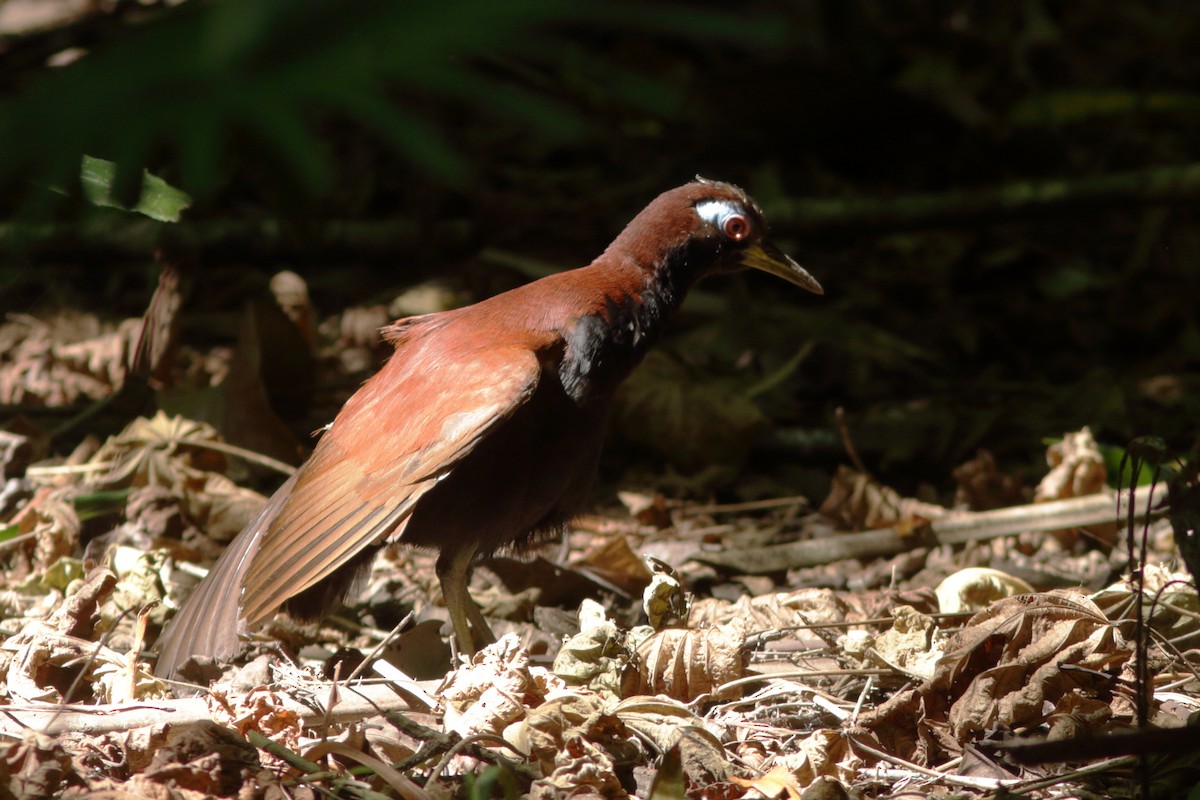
pixel 736 227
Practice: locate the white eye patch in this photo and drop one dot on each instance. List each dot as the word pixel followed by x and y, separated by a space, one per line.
pixel 714 212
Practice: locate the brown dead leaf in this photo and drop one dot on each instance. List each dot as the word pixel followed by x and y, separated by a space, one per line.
pixel 259 710
pixel 205 758
pixel 64 358
pixel 494 690
pixel 981 486
pixel 581 770
pixel 685 664
pixel 1076 470
pixel 774 611
pixel 1009 659
pixel 221 508
pixel 665 601
pixel 776 782
pixel 647 509
pixel 546 729
pixel 909 643
pixel 38 766
pixel 612 559
pixel 669 725
pixel 163 451
pixel 55 527
pixel 858 502
pixel 823 753
pixel 1009 667
pixel 159 329
pixel 1171 604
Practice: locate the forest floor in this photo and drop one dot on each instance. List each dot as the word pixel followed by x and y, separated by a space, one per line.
pixel 1019 642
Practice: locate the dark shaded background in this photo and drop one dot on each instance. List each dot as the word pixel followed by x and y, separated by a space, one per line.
pixel 999 198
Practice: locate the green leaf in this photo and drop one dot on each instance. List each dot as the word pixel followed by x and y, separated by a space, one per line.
pixel 157 200
pixel 99 503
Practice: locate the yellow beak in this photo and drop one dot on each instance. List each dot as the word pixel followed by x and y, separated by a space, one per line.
pixel 772 260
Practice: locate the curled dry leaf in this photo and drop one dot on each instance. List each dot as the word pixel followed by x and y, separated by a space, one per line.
pixel 494 690
pixel 45 663
pixel 611 558
pixel 203 758
pixel 35 767
pixel 1076 468
pixel 774 611
pixel 1009 667
pixel 546 729
pixel 597 657
pixel 981 485
pixel 1170 603
pixel 665 724
pixel 65 358
pixel 858 502
pixel 1009 660
pixel 685 664
pixel 824 754
pixel 221 508
pixel 141 578
pixel 909 643
pixel 976 588
pixel 581 769
pixel 1075 716
pixel 775 782
pixel 665 600
pixel 259 710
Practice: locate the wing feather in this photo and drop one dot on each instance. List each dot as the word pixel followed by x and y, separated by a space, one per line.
pixel 417 424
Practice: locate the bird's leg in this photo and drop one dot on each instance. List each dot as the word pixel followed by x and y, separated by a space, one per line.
pixel 454 572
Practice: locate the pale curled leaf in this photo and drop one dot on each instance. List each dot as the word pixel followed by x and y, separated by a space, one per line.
pixel 665 601
pixel 909 643
pixel 598 656
pixel 1076 468
pixel 975 588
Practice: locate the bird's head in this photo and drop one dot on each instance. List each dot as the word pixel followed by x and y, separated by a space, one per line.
pixel 716 228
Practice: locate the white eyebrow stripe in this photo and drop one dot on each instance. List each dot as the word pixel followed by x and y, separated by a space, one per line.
pixel 713 211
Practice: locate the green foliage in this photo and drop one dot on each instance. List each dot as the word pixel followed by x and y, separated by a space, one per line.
pixel 261 77
pixel 157 199
pixel 484 784
pixel 99 503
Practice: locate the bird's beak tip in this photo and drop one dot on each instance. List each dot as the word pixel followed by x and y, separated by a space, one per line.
pixel 770 259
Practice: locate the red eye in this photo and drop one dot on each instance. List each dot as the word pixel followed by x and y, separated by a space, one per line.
pixel 736 227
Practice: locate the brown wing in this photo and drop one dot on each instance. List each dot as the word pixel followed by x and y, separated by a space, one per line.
pixel 208 624
pixel 404 430
pixel 400 434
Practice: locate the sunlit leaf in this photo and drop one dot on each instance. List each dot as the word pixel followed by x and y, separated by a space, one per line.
pixel 157 200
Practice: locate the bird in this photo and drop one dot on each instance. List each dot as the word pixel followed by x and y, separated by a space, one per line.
pixel 481 433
